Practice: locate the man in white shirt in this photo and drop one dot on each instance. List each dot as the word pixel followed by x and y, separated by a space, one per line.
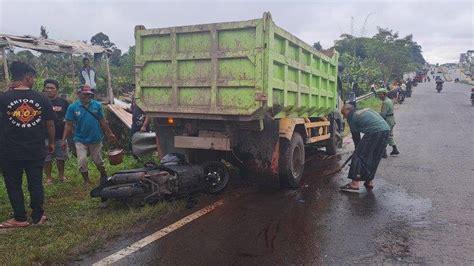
pixel 87 76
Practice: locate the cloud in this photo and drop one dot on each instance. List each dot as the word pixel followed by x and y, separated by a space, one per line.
pixel 443 28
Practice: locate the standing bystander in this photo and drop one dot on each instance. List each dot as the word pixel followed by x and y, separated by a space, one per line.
pixel 27 119
pixel 388 115
pixel 88 76
pixel 87 117
pixel 60 106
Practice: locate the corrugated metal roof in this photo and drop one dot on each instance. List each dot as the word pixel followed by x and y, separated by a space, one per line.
pixel 49 45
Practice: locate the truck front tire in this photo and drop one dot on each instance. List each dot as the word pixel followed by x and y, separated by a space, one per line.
pixel 292 158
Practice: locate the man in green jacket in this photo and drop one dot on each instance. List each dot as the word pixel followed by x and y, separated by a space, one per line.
pixel 389 116
pixel 369 149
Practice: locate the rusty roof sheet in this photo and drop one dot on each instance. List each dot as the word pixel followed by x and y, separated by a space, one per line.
pixel 50 45
pixel 122 114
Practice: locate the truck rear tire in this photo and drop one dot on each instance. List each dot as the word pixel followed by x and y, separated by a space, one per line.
pixel 292 158
pixel 331 147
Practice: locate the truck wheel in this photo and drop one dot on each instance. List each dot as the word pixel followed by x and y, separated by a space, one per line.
pixel 292 160
pixel 331 148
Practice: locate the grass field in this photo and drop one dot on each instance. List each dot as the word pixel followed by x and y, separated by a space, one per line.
pixel 76 225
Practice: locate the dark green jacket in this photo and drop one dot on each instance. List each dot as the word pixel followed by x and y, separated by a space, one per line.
pixel 365 121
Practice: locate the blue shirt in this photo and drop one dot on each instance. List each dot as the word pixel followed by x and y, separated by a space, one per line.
pixel 87 127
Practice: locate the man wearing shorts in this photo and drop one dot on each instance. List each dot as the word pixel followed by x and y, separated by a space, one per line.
pixel 89 123
pixel 60 106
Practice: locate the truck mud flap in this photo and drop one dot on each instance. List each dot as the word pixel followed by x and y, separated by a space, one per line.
pixel 259 152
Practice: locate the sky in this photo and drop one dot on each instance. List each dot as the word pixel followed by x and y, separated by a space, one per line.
pixel 444 29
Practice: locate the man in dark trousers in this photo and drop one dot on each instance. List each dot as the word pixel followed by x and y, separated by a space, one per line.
pixel 27 119
pixel 60 106
pixel 368 150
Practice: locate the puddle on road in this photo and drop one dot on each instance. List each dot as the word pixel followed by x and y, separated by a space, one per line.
pixel 401 204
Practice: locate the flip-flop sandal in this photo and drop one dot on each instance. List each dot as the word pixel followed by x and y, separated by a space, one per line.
pixel 366 184
pixel 12 223
pixel 348 188
pixel 41 221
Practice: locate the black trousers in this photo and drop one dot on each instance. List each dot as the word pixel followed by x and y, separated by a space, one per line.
pixel 13 175
pixel 367 156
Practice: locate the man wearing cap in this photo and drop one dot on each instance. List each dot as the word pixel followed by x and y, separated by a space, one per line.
pixel 389 117
pixel 88 119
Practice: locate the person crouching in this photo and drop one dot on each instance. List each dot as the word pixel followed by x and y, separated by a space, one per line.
pixel 368 150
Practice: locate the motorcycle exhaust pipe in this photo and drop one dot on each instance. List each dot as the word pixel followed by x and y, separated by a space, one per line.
pixel 124 178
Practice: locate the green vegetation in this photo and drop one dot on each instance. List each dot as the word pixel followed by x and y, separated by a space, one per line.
pixel 76 225
pixel 385 56
pixel 373 103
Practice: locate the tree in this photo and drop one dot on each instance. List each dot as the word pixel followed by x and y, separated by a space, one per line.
pixel 317 46
pixel 385 56
pixel 104 41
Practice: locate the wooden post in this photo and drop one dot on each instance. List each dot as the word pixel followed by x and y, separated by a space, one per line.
pixel 5 67
pixel 73 73
pixel 110 92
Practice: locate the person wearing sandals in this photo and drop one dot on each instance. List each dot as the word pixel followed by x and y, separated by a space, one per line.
pixel 50 88
pixel 26 120
pixel 368 150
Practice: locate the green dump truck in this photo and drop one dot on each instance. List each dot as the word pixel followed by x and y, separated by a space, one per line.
pixel 247 92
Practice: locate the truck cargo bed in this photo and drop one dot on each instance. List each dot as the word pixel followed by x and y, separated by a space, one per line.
pixel 232 71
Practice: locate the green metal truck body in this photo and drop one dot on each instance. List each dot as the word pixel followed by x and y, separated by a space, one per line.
pixel 232 71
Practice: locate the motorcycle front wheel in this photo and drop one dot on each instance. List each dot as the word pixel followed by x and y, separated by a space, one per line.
pixel 217 175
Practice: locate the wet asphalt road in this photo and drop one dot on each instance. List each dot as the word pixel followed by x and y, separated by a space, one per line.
pixel 421 210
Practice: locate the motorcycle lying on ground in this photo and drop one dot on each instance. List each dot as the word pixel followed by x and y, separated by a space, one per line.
pixel 173 178
pixel 439 86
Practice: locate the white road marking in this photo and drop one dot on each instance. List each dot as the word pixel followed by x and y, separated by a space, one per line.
pixel 157 235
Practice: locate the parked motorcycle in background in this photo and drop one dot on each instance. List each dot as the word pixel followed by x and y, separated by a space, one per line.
pixel 472 96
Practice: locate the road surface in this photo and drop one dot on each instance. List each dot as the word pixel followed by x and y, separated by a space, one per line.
pixel 421 210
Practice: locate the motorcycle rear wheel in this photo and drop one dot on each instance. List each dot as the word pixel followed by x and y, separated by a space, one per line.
pixel 217 174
